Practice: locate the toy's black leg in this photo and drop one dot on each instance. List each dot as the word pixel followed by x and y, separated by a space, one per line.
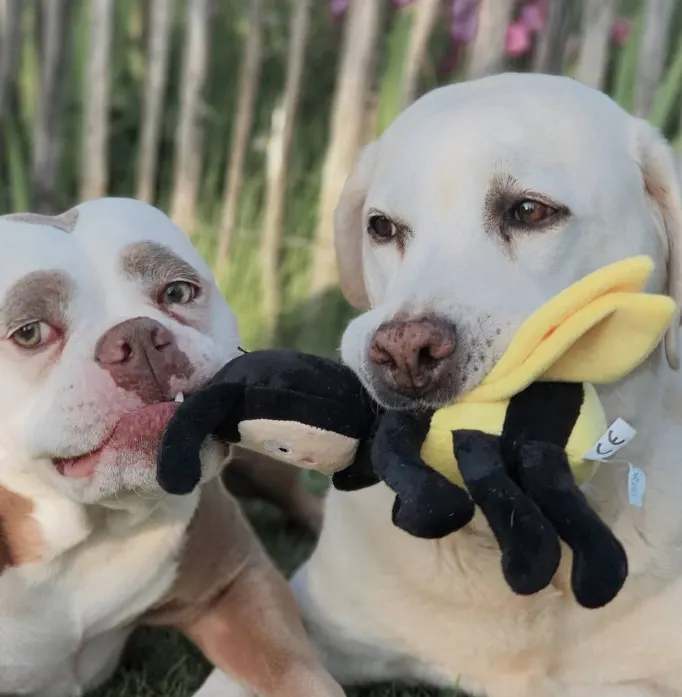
pixel 359 474
pixel 427 505
pixel 600 565
pixel 530 547
pixel 355 477
pixel 215 410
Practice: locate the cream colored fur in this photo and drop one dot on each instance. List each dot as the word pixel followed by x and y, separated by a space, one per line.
pixel 382 605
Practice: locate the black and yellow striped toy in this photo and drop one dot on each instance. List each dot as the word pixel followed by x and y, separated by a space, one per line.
pixel 515 446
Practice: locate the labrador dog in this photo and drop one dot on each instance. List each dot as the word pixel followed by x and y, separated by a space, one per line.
pixel 107 316
pixel 476 206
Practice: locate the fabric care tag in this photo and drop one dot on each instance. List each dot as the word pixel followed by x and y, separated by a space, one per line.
pixel 618 435
pixel 636 485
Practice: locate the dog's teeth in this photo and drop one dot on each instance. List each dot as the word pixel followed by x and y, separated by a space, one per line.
pixel 179 397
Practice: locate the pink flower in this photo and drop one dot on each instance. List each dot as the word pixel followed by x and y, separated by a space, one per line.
pixel 620 31
pixel 464 20
pixel 338 7
pixel 533 16
pixel 463 28
pixel 518 39
pixel 402 3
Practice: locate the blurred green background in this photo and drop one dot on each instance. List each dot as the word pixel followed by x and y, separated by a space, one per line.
pixel 229 28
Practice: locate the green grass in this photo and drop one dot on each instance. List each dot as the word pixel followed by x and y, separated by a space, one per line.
pixel 159 662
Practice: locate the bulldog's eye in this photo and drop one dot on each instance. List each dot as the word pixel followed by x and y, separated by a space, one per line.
pixel 179 293
pixel 381 228
pixel 33 335
pixel 532 213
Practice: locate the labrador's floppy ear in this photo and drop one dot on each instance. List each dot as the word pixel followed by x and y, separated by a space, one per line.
pixel 662 186
pixel 348 228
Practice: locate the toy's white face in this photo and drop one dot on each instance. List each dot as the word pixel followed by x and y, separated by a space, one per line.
pixel 298 444
pixel 481 202
pixel 106 315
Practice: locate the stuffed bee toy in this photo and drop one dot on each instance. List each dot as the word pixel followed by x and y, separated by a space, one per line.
pixel 526 429
pixel 514 446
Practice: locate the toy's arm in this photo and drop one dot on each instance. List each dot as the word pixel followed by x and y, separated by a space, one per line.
pixel 427 505
pixel 600 565
pixel 199 416
pixel 530 546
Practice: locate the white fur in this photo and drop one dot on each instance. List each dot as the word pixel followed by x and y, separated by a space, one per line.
pixel 111 541
pixel 381 605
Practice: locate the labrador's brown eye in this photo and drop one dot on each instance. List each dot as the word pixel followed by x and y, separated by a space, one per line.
pixel 532 213
pixel 381 228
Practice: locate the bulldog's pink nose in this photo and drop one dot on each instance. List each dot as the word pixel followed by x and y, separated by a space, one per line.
pixel 141 356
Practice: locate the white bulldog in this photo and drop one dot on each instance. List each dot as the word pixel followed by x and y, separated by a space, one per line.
pixel 108 315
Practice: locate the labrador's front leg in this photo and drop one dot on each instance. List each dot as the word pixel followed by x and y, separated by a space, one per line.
pixel 252 632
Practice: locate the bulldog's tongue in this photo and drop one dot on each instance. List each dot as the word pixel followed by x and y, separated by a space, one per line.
pixel 137 432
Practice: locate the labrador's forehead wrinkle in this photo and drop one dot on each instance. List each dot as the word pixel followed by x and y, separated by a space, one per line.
pixel 153 262
pixel 39 295
pixel 64 221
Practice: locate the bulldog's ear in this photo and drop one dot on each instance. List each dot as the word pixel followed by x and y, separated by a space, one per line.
pixel 661 184
pixel 349 228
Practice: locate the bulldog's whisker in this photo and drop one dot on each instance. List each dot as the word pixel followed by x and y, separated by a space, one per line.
pixel 147 494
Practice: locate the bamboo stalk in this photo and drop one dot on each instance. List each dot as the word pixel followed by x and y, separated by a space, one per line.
pixel 279 154
pixel 47 136
pixel 161 17
pixel 10 47
pixel 548 56
pixel 425 16
pixel 187 170
pixel 652 53
pixel 596 27
pixel 94 174
pixel 347 129
pixel 487 54
pixel 249 76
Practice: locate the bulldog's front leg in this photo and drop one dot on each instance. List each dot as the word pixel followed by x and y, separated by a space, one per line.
pixel 252 632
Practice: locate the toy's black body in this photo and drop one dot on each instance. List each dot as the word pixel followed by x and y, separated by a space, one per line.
pixel 520 480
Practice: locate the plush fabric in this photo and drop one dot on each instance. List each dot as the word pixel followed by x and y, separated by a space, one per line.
pixel 267 396
pixel 596 331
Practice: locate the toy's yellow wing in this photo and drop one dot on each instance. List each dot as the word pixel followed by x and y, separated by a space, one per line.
pixel 597 330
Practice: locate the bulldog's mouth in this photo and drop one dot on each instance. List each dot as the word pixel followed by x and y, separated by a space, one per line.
pixel 136 431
